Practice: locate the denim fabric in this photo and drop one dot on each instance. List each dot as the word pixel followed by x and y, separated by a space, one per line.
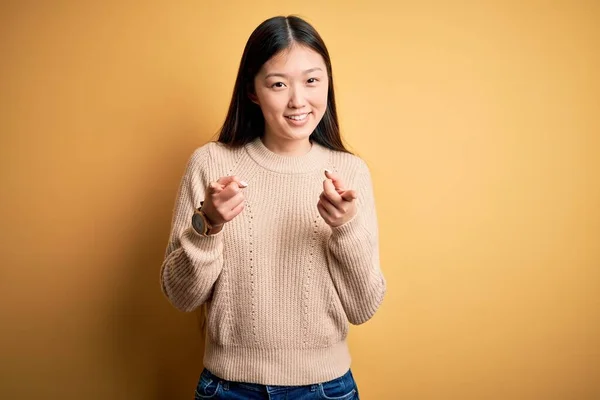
pixel 213 387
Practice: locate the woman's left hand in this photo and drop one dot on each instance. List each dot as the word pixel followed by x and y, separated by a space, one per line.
pixel 337 205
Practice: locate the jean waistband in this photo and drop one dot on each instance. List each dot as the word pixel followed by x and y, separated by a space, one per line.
pixel 347 379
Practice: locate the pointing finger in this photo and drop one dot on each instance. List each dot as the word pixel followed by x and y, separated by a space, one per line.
pixel 231 190
pixel 335 178
pixel 330 192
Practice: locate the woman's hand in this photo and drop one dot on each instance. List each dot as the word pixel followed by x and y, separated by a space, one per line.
pixel 336 204
pixel 223 201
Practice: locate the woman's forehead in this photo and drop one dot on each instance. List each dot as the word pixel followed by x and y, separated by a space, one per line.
pixel 294 60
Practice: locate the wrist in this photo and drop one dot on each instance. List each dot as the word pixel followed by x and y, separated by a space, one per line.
pixel 211 219
pixel 211 226
pixel 348 222
pixel 202 224
pixel 215 229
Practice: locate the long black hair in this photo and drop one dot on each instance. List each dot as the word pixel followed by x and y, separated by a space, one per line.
pixel 244 121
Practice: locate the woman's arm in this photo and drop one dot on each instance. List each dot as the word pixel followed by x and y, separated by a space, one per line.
pixel 192 262
pixel 353 255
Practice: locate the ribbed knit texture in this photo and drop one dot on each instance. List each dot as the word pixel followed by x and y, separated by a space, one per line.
pixel 280 284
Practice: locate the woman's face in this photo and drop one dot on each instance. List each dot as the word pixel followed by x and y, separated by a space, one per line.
pixel 291 90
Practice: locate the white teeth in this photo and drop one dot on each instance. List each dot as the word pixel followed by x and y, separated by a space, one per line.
pixel 297 117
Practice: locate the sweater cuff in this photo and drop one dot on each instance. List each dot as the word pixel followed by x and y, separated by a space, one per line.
pixel 201 248
pixel 353 229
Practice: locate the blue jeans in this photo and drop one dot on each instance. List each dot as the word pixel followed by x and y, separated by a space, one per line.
pixel 213 387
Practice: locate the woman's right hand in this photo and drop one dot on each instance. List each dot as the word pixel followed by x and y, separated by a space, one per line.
pixel 223 201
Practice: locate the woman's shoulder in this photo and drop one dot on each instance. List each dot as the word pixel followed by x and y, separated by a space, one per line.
pixel 214 151
pixel 347 162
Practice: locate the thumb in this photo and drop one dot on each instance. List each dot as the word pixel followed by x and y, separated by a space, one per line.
pixel 214 188
pixel 226 180
pixel 349 195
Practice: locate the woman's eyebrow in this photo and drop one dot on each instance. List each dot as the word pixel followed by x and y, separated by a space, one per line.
pixel 279 74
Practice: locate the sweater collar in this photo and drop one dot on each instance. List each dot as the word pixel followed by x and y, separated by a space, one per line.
pixel 314 160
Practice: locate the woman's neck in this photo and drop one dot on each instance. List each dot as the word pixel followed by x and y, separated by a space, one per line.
pixel 287 147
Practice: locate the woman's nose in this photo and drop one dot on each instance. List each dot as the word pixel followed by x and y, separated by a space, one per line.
pixel 297 99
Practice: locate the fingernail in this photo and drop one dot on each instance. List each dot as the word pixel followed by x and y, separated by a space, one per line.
pixel 327 170
pixel 243 184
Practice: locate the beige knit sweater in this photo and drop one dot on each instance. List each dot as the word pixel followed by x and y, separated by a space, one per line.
pixel 280 284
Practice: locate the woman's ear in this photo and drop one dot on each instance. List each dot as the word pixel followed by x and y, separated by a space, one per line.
pixel 251 94
pixel 253 98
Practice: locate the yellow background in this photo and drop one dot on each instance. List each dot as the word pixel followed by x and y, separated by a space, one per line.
pixel 478 122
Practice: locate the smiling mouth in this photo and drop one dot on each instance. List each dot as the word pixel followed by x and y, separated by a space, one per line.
pixel 299 117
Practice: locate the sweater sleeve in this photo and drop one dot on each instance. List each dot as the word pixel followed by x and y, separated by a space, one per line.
pixel 192 262
pixel 353 255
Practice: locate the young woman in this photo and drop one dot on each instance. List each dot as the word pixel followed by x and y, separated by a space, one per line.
pixel 275 229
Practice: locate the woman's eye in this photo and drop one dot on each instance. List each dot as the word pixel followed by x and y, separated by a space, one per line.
pixel 312 80
pixel 278 85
